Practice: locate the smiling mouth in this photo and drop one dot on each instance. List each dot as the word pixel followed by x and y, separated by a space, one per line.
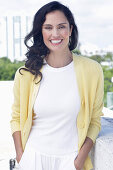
pixel 56 42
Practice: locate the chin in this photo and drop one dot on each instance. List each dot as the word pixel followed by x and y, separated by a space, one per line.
pixel 59 49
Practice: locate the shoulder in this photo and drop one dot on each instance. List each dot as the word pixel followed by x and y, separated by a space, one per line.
pixel 22 74
pixel 88 65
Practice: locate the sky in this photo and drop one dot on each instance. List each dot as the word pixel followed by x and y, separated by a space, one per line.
pixel 94 18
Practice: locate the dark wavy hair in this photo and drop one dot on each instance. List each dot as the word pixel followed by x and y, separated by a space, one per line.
pixel 38 50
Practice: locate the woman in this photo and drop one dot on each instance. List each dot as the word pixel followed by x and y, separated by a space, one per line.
pixel 58 97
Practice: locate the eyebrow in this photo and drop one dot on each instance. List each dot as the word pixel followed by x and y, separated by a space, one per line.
pixel 51 25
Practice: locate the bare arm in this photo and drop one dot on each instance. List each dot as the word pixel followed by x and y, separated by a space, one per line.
pixel 18 145
pixel 83 153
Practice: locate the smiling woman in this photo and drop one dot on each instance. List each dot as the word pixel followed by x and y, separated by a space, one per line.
pixel 58 97
pixel 52 25
pixel 57 32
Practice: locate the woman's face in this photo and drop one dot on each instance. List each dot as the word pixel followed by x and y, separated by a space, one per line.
pixel 56 31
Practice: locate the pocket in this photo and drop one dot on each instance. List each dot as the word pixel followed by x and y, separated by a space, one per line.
pixel 74 165
pixel 21 158
pixel 74 159
pixel 67 163
pixel 27 161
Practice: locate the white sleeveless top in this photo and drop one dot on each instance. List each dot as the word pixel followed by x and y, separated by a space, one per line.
pixel 54 129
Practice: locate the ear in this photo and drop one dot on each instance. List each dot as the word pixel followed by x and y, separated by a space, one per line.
pixel 71 30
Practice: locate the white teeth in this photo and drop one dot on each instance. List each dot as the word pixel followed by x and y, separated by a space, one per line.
pixel 56 41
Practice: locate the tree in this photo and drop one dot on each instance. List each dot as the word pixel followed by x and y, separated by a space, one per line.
pixel 8 69
pixel 98 58
pixel 108 85
pixel 108 57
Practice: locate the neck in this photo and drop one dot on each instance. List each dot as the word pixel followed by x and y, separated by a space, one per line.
pixel 59 59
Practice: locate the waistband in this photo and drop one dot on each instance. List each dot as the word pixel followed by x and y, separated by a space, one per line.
pixel 52 155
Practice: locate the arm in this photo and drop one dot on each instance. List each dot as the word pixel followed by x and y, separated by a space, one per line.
pixel 83 153
pixel 15 120
pixel 18 145
pixel 15 116
pixel 95 125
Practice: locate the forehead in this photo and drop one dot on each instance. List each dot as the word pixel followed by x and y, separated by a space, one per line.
pixel 55 17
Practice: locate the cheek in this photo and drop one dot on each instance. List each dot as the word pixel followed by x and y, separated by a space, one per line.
pixel 65 33
pixel 45 35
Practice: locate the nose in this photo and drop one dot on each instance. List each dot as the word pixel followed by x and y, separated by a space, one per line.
pixel 55 32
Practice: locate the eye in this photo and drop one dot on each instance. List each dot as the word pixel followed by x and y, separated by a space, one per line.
pixel 61 27
pixel 48 28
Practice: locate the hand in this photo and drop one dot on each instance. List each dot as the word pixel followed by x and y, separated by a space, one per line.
pixel 83 153
pixel 78 164
pixel 18 156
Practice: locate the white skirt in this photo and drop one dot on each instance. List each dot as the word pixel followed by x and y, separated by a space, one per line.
pixel 35 160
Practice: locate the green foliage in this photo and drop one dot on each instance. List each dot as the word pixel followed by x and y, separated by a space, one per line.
pixel 98 58
pixel 108 85
pixel 77 51
pixel 8 68
pixel 108 57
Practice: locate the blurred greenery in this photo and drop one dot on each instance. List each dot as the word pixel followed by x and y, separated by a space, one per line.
pixel 8 69
pixel 108 85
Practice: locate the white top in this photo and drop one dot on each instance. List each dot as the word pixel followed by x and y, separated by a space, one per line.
pixel 57 104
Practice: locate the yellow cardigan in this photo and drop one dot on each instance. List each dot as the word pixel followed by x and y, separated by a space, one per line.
pixel 91 89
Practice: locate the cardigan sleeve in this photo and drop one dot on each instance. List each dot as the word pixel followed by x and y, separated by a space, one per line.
pixel 95 124
pixel 15 116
